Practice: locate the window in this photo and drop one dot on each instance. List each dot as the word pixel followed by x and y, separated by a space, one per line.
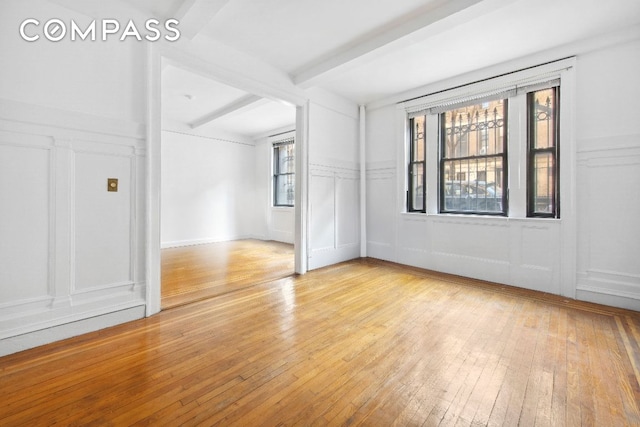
pixel 284 173
pixel 495 145
pixel 473 158
pixel 542 164
pixel 417 187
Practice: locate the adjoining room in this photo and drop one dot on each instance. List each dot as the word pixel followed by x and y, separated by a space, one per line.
pixel 228 175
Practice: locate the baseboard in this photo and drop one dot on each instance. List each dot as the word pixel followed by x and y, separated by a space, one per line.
pixel 607 297
pixel 194 242
pixel 56 333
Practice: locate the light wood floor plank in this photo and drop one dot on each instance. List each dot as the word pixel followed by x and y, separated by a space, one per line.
pixel 360 343
pixel 193 273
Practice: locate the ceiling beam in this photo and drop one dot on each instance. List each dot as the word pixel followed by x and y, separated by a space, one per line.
pixel 432 13
pixel 223 111
pixel 194 15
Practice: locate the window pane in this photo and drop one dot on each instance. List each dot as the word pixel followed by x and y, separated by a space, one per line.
pixel 474 185
pixel 474 130
pixel 418 139
pixel 286 163
pixel 544 118
pixel 417 189
pixel 285 190
pixel 544 183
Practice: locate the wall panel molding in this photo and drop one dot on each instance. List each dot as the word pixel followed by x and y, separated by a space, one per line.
pixel 61 136
pixel 606 146
pixel 334 213
pixel 66 121
pixel 27 171
pixel 609 168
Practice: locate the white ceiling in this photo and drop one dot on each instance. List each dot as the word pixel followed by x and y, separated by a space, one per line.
pixel 368 50
pixel 293 34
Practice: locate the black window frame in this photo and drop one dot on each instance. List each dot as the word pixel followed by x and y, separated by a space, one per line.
pixel 504 201
pixel 277 174
pixel 533 152
pixel 412 163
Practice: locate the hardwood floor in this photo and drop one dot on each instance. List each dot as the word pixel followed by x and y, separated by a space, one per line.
pixel 192 273
pixel 359 343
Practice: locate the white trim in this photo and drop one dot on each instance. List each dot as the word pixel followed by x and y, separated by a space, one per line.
pixel 568 185
pixel 154 135
pixel 67 121
pixel 48 332
pixel 363 181
pixel 187 57
pixel 196 242
pixel 302 209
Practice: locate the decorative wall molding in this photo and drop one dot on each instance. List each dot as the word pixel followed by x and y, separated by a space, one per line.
pixel 331 237
pixel 419 237
pixel 48 317
pixel 63 135
pixel 608 145
pixel 333 165
pixel 67 122
pixel 381 174
pixel 602 162
pixel 468 258
pixel 47 334
pixel 610 283
pixel 617 156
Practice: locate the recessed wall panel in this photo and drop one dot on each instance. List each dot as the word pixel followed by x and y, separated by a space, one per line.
pixel 322 228
pixel 24 222
pixel 348 209
pixel 102 221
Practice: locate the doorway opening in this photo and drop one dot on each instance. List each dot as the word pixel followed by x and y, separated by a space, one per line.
pixel 220 229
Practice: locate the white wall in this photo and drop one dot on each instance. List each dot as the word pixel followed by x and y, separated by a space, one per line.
pixel 601 155
pixel 608 144
pixel 208 189
pixel 97 78
pixel 334 180
pixel 70 118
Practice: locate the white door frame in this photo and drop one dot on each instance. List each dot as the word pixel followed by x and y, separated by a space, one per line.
pixel 196 63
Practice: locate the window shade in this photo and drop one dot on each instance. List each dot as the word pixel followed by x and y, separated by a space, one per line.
pixel 440 105
pixel 283 142
pixel 496 88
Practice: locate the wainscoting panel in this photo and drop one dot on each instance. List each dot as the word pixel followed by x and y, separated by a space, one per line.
pixel 105 217
pixel 381 216
pixel 520 252
pixel 535 255
pixel 413 233
pixel 334 228
pixel 72 254
pixel 347 211
pixel 25 226
pixel 323 212
pixel 471 238
pixel 609 202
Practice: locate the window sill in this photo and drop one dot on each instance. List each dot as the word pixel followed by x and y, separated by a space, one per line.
pixel 458 216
